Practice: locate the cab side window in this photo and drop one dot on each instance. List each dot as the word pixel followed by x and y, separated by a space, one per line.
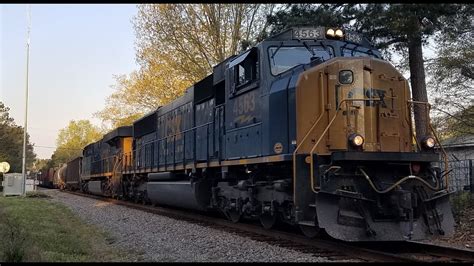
pixel 245 71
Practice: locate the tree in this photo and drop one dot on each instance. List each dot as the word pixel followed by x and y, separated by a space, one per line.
pixel 407 27
pixel 177 45
pixel 452 70
pixel 5 119
pixel 327 15
pixel 457 124
pixel 72 139
pixel 191 38
pixel 40 164
pixel 140 92
pixel 11 142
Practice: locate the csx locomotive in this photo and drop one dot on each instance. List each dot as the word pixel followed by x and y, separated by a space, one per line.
pixel 310 127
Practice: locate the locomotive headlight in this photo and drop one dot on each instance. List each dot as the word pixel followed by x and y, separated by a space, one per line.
pixel 356 140
pixel 339 33
pixel 330 32
pixel 429 142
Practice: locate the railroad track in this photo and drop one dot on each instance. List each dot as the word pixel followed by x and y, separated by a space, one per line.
pixel 403 251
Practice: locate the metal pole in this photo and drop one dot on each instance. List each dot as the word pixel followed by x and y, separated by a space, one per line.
pixel 471 175
pixel 26 97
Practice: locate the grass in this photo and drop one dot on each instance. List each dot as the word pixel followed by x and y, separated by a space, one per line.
pixel 35 229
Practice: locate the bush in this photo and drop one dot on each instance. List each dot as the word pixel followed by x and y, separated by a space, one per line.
pixel 460 202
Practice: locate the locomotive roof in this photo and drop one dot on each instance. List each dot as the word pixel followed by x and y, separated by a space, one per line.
pixel 319 33
pixel 88 145
pixel 183 99
pixel 124 131
pixel 75 159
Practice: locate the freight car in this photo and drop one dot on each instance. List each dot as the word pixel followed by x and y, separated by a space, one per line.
pixel 310 127
pixel 72 174
pixel 46 178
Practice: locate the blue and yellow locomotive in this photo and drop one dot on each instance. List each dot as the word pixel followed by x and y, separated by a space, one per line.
pixel 310 127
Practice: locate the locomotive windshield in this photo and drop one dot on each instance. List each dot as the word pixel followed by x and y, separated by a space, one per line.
pixel 355 52
pixel 284 58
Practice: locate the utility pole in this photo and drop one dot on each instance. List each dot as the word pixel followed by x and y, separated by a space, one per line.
pixel 26 96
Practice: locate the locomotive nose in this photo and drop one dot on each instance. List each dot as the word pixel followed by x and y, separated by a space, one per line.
pixel 362 97
pixel 355 151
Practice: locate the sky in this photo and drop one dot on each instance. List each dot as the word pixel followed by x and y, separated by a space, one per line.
pixel 75 51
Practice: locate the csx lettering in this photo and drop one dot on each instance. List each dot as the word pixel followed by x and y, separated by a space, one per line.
pixel 244 104
pixel 375 94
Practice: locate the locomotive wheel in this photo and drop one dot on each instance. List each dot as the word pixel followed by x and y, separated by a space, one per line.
pixel 310 231
pixel 268 220
pixel 234 216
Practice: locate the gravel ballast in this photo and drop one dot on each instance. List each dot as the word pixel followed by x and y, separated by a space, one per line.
pixel 162 239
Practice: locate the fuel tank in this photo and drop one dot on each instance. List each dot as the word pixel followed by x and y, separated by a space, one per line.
pixel 183 194
pixel 94 187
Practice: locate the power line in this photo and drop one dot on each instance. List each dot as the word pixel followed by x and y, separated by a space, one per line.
pixel 58 148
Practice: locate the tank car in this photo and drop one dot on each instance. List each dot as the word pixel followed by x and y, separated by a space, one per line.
pixel 59 176
pixel 310 127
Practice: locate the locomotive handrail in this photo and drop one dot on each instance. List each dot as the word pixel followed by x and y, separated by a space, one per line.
pixel 193 129
pixel 445 156
pixel 408 120
pixel 311 153
pixel 314 186
pixel 309 132
pixel 427 107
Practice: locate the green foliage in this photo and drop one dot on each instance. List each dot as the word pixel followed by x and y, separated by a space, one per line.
pixel 460 202
pixel 36 194
pixel 40 164
pixel 387 24
pixel 327 15
pixel 11 142
pixel 72 139
pixel 454 125
pixel 452 73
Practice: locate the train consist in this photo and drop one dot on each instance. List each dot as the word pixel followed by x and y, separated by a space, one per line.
pixel 310 127
pixel 52 177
